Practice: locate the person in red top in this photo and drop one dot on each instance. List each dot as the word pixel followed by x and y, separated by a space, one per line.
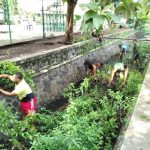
pixel 24 93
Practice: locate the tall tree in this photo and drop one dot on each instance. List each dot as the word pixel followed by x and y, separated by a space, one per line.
pixel 71 4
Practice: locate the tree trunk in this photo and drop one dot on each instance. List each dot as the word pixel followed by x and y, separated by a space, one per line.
pixel 69 27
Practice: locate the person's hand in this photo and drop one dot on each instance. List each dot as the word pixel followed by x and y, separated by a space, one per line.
pixel 108 85
pixel 122 85
pixel 95 78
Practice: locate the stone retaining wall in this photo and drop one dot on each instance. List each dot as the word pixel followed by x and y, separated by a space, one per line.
pixel 45 59
pixel 54 70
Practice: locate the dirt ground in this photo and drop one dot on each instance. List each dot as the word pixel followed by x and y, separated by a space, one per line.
pixel 30 47
pixel 26 48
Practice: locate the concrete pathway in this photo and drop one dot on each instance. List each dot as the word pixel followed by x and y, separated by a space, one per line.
pixel 137 136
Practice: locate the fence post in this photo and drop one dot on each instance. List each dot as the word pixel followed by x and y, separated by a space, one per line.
pixel 8 20
pixel 43 22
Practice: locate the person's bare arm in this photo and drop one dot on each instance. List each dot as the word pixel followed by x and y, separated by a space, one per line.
pixel 8 93
pixel 112 77
pixel 125 76
pixel 6 76
pixel 94 71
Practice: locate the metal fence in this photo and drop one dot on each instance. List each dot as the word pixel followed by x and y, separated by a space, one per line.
pixel 30 19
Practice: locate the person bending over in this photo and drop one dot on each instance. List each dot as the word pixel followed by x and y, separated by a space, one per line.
pixel 123 50
pixel 120 70
pixel 91 67
pixel 24 93
pixel 135 53
pixel 100 37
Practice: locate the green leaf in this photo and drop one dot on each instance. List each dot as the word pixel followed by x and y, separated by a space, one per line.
pixel 89 14
pixel 120 10
pixel 108 8
pixel 98 20
pixel 77 17
pixel 115 18
pixel 88 27
pixel 92 6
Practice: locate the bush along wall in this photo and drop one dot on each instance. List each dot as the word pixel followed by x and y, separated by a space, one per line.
pixel 10 68
pixel 92 120
pixel 7 67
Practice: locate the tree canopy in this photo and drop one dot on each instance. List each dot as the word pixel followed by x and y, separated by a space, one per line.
pixel 99 11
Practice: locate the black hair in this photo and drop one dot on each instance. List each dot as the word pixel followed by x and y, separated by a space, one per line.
pixel 125 66
pixel 97 62
pixel 19 75
pixel 123 50
pixel 120 45
pixel 102 64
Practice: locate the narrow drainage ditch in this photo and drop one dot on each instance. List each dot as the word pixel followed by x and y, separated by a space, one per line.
pixel 61 103
pixel 118 103
pixel 92 117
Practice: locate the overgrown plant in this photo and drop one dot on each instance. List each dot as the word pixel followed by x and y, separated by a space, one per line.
pixel 92 120
pixel 7 67
pixel 8 131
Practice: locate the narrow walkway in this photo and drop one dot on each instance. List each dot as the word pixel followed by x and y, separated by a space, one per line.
pixel 137 136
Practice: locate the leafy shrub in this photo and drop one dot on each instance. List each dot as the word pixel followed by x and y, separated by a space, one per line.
pixel 19 134
pixel 133 83
pixel 77 131
pixel 8 130
pixel 7 67
pixel 144 55
pixel 71 92
pixel 92 120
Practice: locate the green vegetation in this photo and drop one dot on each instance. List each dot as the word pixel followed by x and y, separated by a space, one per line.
pixel 7 67
pixel 95 44
pixel 96 15
pixel 98 12
pixel 145 117
pixel 92 120
pixel 19 134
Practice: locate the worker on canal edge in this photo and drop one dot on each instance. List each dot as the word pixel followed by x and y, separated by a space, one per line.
pixel 24 93
pixel 123 49
pixel 135 53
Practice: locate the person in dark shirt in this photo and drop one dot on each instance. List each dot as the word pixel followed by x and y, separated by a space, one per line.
pixel 123 50
pixel 135 53
pixel 100 38
pixel 91 67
